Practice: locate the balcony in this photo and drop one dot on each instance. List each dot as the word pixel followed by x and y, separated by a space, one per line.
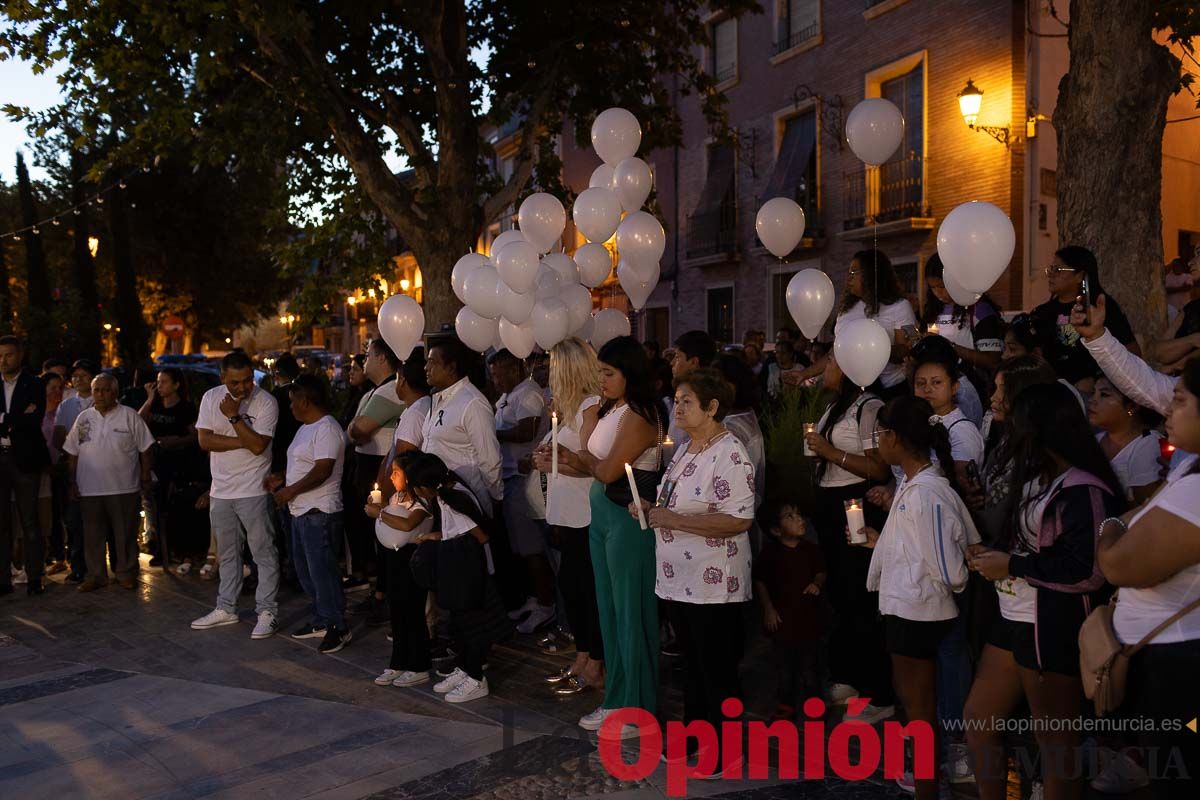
pixel 725 73
pixel 814 223
pixel 796 38
pixel 886 201
pixel 712 235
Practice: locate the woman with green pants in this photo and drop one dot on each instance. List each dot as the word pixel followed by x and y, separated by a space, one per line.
pixel 624 429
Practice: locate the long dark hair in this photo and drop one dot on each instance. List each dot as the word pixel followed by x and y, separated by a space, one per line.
pixel 427 471
pixel 626 355
pixel 880 285
pixel 1019 374
pixel 908 417
pixel 933 306
pixel 1046 421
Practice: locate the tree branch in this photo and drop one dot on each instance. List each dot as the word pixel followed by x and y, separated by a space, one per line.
pixel 494 206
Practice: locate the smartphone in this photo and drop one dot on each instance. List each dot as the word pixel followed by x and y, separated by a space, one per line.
pixel 910 332
pixel 973 474
pixel 1085 298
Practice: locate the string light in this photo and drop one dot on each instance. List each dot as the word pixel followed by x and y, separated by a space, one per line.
pixel 77 209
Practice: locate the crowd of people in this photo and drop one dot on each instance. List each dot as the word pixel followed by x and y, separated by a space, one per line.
pixel 968 513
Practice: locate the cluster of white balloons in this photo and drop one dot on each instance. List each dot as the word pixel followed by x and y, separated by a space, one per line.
pixel 526 295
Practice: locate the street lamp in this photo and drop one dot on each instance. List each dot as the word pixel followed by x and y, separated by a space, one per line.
pixel 970 99
pixel 404 284
pixel 93 245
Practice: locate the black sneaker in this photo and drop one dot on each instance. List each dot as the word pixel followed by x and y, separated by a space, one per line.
pixel 335 639
pixel 309 631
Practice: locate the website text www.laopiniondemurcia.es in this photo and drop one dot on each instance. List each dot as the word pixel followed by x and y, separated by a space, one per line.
pixel 819 749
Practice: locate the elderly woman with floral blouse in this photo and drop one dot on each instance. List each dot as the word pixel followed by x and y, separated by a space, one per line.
pixel 704 508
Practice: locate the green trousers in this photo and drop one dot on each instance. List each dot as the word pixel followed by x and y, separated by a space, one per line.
pixel 623 561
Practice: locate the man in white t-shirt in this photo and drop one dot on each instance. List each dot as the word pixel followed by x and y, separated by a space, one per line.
pixel 110 463
pixel 235 425
pixel 311 491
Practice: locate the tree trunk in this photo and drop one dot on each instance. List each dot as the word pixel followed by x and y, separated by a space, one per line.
pixel 37 281
pixel 132 337
pixel 87 333
pixel 1112 106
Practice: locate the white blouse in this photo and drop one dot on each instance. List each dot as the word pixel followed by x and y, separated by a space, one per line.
pixel 567 502
pixel 601 442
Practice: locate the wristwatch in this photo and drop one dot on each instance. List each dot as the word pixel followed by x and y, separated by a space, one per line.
pixel 235 419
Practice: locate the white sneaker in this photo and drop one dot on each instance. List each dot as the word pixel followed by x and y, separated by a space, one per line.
pixel 452 680
pixel 536 619
pixel 1119 775
pixel 840 693
pixel 214 618
pixel 386 677
pixel 408 678
pixel 266 627
pixel 530 604
pixel 20 577
pixel 957 768
pixel 593 721
pixel 871 714
pixel 468 690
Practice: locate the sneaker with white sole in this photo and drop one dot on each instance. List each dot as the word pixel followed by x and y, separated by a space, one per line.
pixel 957 768
pixel 871 714
pixel 841 693
pixel 593 721
pixel 309 631
pixel 536 619
pixel 1120 774
pixel 386 677
pixel 215 618
pixel 20 577
pixel 453 679
pixel 265 627
pixel 530 604
pixel 470 689
pixel 408 678
pixel 335 639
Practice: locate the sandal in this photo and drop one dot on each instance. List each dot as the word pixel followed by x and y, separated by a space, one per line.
pixel 574 684
pixel 560 676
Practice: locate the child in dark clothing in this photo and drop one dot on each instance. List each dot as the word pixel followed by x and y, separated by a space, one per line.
pixel 789 576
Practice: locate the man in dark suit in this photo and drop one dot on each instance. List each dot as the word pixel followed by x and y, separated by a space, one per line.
pixel 23 456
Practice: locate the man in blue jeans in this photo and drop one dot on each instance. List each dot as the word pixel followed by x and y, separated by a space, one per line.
pixel 311 491
pixel 235 426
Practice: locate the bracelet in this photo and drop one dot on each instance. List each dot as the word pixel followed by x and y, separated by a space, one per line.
pixel 1118 520
pixel 845 455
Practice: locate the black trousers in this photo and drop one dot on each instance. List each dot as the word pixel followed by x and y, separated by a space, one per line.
pixel 577 583
pixel 361 532
pixel 796 671
pixel 713 637
pixel 1162 686
pixel 24 486
pixel 406 600
pixel 856 652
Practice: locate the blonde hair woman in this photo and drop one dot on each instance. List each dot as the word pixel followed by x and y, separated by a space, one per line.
pixel 575 385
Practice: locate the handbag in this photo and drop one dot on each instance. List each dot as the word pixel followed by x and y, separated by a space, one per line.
pixel 1104 660
pixel 619 493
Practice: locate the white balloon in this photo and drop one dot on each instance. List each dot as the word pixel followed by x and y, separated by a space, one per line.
pixel 608 324
pixel 595 263
pixel 810 295
pixel 641 239
pixel 462 268
pixel 780 225
pixel 597 213
pixel 862 349
pixel 602 177
pixel 514 306
pixel 549 282
pixel 480 290
pixel 874 130
pixel 960 295
pixel 616 135
pixel 564 265
pixel 578 301
pixel 632 181
pixel 517 339
pixel 505 238
pixel 641 270
pixel 551 322
pixel 584 331
pixel 976 242
pixel 401 324
pixel 517 264
pixel 542 219
pixel 476 332
pixel 637 287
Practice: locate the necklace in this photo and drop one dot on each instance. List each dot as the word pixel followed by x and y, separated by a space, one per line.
pixel 669 482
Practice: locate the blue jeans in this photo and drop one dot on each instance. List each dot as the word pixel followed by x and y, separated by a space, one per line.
pixel 313 535
pixel 235 524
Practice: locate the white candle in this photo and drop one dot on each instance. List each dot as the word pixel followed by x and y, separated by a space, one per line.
pixel 855 522
pixel 668 445
pixel 554 443
pixel 637 500
pixel 809 427
pixel 934 329
pixel 376 496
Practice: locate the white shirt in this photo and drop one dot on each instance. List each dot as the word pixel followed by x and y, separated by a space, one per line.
pixel 394 538
pixel 745 427
pixel 1137 463
pixel 966 442
pixel 108 448
pixel 568 503
pixel 317 441
pixel 850 434
pixel 455 524
pixel 380 405
pixel 69 409
pixel 525 401
pixel 9 388
pixel 1018 600
pixel 892 317
pixel 238 474
pixel 408 428
pixel 1139 611
pixel 696 569
pixel 461 430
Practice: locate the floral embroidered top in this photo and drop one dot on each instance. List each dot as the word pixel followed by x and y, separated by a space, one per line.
pixel 696 569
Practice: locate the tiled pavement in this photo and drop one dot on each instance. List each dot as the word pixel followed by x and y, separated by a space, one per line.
pixel 110 694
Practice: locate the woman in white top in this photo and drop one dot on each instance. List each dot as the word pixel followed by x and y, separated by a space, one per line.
pixel 1129 442
pixel 575 383
pixel 919 559
pixel 1154 554
pixel 627 431
pixel 872 291
pixel 847 461
pixel 399 527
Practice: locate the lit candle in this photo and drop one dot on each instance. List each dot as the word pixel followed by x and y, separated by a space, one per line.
pixel 855 522
pixel 809 427
pixel 668 445
pixel 554 443
pixel 934 329
pixel 376 496
pixel 637 500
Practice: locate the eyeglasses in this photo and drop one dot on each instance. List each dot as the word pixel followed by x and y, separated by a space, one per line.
pixel 1052 270
pixel 875 435
pixel 853 273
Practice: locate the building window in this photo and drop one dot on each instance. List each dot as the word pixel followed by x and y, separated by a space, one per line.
pixel 901 189
pixel 795 171
pixel 724 50
pixel 711 227
pixel 720 314
pixel 798 22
